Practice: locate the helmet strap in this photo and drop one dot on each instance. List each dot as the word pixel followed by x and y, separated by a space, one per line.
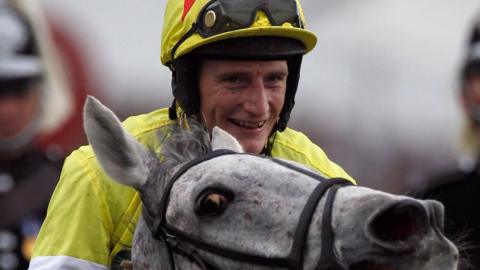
pixel 172 111
pixel 185 84
pixel 294 64
pixel 267 150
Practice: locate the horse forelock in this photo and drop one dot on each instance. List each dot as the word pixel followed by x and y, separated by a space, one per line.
pixel 183 142
pixel 179 143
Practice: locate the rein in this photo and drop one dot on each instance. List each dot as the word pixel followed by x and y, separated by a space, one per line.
pixel 182 243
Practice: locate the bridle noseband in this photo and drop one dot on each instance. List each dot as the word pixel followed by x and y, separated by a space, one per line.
pixel 181 243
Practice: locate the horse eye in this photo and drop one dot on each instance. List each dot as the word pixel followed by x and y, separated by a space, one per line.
pixel 212 203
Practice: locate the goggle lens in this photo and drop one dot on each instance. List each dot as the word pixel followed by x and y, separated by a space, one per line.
pixel 221 16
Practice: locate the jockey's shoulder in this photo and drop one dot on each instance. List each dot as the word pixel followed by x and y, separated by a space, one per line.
pixel 294 145
pixel 297 145
pixel 292 138
pixel 145 123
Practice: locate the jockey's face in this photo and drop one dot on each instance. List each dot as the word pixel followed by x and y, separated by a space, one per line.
pixel 243 97
pixel 17 109
pixel 473 89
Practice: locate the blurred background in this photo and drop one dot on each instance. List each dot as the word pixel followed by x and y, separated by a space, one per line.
pixel 379 93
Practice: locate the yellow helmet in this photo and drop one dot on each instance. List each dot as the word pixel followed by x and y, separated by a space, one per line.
pixel 232 29
pixel 190 24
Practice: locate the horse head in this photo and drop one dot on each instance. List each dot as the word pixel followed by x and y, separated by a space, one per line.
pixel 207 205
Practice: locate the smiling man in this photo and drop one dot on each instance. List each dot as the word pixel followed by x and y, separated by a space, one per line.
pixel 235 64
pixel 244 98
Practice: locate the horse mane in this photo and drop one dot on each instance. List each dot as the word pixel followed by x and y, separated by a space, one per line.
pixel 183 141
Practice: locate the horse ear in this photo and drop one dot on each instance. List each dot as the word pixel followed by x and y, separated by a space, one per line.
pixel 119 154
pixel 223 140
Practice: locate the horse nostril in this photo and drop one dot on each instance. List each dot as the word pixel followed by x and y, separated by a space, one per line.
pixel 437 211
pixel 369 265
pixel 399 221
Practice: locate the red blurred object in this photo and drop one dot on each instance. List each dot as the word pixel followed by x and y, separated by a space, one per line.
pixel 70 134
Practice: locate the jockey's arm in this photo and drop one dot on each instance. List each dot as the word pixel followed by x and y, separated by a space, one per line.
pixel 84 215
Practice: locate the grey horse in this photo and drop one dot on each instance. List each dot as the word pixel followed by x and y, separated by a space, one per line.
pixel 207 208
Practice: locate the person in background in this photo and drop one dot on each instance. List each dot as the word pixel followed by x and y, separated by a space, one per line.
pixel 459 188
pixel 240 76
pixel 28 174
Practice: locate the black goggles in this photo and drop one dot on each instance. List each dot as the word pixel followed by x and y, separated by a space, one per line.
pixel 220 16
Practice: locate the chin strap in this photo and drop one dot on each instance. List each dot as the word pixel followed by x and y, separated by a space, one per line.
pixel 267 150
pixel 172 110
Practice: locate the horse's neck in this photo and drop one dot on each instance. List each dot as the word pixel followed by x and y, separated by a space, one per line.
pixel 145 252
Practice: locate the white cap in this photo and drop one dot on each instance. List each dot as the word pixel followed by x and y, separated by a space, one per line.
pixel 15 38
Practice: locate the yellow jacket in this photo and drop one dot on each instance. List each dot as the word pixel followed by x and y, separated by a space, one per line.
pixel 91 217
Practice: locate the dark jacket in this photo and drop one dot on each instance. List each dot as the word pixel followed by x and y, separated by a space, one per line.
pixel 459 191
pixel 26 185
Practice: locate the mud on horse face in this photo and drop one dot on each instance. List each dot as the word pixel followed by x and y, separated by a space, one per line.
pixel 206 208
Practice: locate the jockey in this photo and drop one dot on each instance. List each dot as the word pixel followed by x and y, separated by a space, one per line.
pixel 235 64
pixel 457 187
